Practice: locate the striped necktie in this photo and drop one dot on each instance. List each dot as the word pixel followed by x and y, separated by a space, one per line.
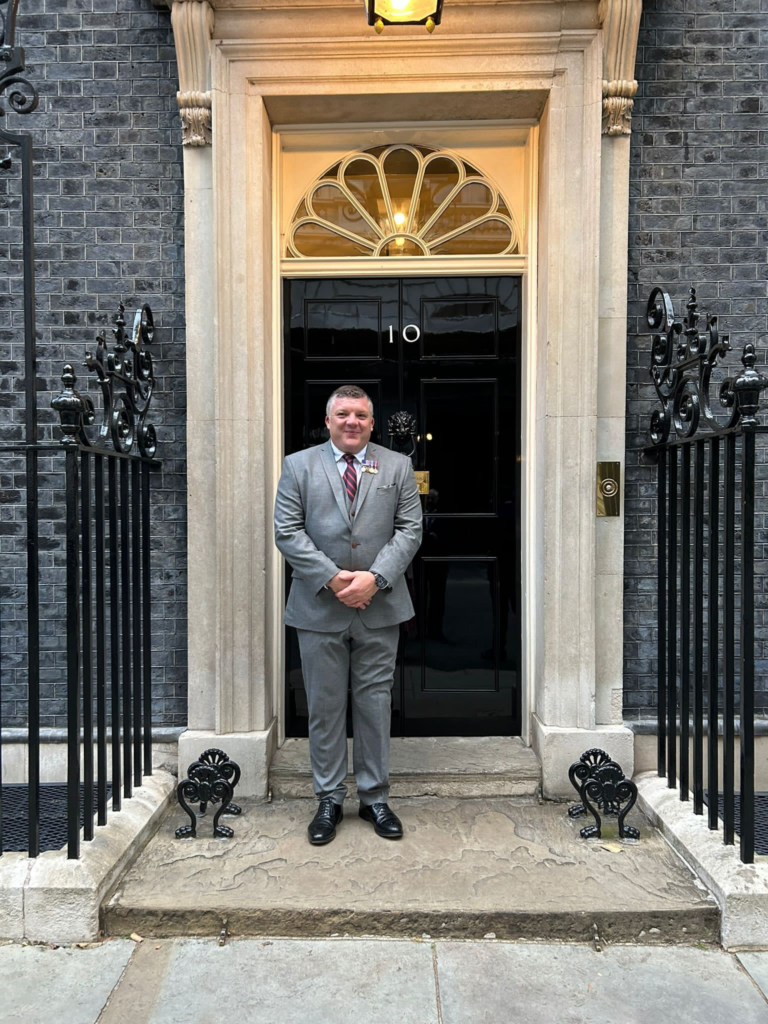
pixel 350 477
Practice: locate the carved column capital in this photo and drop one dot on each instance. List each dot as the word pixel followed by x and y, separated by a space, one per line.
pixel 620 20
pixel 192 22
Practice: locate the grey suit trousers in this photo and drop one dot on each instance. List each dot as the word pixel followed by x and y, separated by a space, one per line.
pixel 363 659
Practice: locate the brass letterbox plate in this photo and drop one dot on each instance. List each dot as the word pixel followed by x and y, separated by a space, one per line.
pixel 608 488
pixel 422 479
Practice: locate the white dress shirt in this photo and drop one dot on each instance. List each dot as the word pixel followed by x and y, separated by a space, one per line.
pixel 341 464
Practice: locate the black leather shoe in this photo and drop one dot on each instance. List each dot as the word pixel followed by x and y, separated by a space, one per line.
pixel 384 820
pixel 322 828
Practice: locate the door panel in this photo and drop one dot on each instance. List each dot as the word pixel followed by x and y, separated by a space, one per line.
pixel 446 351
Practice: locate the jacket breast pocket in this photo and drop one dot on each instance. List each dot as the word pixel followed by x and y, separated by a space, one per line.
pixel 386 489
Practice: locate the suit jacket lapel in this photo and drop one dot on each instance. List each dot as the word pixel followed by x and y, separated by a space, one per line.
pixel 334 479
pixel 364 482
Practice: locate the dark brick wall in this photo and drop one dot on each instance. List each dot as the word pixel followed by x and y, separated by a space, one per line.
pixel 109 225
pixel 698 216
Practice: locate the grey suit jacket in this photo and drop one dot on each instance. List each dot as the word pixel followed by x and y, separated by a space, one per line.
pixel 318 536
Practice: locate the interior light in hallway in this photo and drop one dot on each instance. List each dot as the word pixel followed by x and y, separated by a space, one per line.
pixel 404 12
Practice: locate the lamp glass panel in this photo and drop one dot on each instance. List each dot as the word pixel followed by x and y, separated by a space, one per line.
pixel 404 11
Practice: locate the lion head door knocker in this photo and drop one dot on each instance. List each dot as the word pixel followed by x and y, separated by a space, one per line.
pixel 401 427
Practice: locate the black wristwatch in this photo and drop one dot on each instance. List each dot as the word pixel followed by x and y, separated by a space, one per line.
pixel 381 583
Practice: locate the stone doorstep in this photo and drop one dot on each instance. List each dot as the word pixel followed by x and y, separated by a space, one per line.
pixel 429 766
pixel 741 890
pixel 53 899
pixel 467 868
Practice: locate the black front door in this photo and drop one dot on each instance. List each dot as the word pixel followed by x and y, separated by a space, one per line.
pixel 446 351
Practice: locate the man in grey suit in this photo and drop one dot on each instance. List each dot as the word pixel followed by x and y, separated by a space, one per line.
pixel 348 520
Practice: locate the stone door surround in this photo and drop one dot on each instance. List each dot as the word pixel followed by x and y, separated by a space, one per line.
pixel 545 60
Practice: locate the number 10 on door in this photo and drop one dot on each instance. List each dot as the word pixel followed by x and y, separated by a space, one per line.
pixel 408 328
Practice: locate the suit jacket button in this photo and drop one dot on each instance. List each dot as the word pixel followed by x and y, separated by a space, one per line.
pixel 355 544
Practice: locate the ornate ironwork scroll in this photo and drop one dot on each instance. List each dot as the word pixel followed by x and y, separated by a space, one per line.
pixel 682 361
pixel 205 785
pixel 210 780
pixel 602 788
pixel 227 769
pixel 127 383
pixel 580 771
pixel 16 90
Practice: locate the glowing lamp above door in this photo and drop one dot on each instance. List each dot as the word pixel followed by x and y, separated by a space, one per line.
pixel 404 12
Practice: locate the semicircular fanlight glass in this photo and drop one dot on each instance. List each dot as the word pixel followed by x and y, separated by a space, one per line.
pixel 362 179
pixel 401 168
pixel 442 205
pixel 487 238
pixel 331 204
pixel 312 239
pixel 441 176
pixel 401 247
pixel 472 201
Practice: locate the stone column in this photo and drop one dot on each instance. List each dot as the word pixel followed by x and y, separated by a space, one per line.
pixel 224 709
pixel 579 704
pixel 621 23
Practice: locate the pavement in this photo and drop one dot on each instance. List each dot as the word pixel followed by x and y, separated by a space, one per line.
pixel 465 867
pixel 378 981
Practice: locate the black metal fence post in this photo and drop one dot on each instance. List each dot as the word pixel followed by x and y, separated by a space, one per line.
pixel 73 655
pixel 22 98
pixel 661 667
pixel 729 641
pixel 747 715
pixel 146 611
pixel 698 631
pixel 101 644
pixel 672 624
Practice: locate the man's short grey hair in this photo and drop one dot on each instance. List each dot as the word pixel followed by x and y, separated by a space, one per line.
pixel 347 391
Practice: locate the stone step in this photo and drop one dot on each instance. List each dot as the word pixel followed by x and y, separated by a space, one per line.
pixel 466 868
pixel 454 766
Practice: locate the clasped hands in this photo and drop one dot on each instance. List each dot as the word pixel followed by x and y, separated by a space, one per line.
pixel 354 589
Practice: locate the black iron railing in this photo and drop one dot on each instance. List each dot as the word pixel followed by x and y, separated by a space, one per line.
pixel 706 564
pixel 105 475
pixel 107 551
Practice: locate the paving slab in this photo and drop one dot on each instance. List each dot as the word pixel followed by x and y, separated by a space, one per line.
pixel 297 982
pixel 40 985
pixel 465 868
pixel 756 965
pixel 503 983
pixel 452 766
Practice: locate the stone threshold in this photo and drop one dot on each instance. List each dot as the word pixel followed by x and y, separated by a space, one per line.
pixel 453 766
pixel 741 890
pixel 466 868
pixel 53 899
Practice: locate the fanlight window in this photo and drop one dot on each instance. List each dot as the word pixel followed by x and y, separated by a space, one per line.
pixel 402 201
